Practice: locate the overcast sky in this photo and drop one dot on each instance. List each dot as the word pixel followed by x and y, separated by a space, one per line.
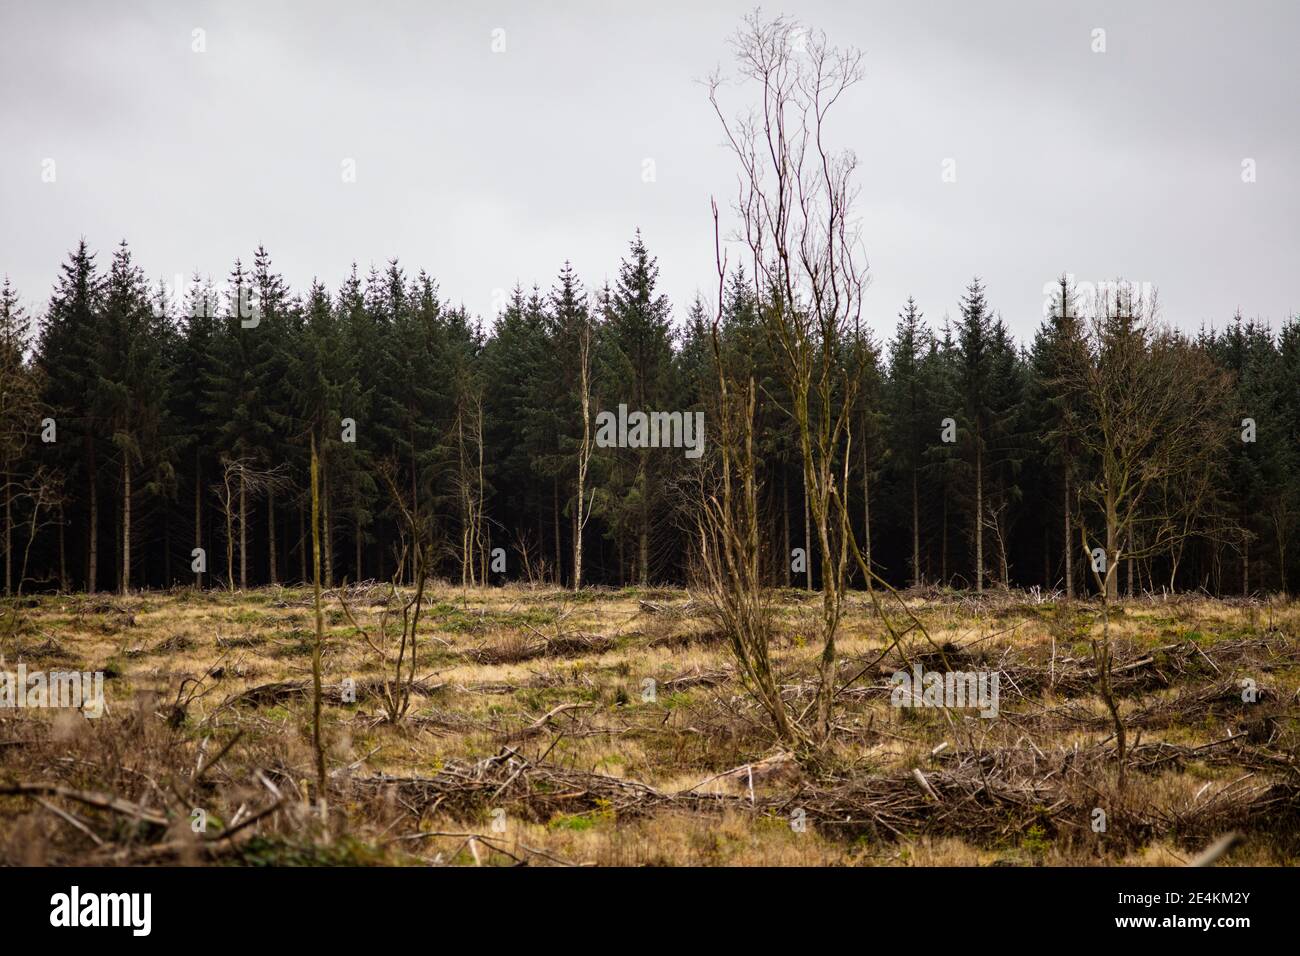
pixel 489 167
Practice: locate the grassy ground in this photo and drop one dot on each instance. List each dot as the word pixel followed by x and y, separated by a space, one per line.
pixel 608 728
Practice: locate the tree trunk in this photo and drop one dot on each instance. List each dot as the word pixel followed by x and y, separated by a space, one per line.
pixel 1245 569
pixel 415 493
pixel 866 515
pixel 8 531
pixel 807 533
pixel 92 557
pixel 466 559
pixel 916 529
pixel 1281 559
pixel 226 505
pixel 1112 546
pixel 555 512
pixel 979 516
pixel 1069 546
pixel 327 527
pixel 643 559
pixel 943 548
pixel 167 549
pixel 117 549
pixel 318 743
pixel 645 526
pixel 577 531
pixel 270 532
pixel 356 530
pixel 302 543
pixel 198 516
pixel 63 552
pixel 243 533
pixel 1004 567
pixel 1047 557
pixel 126 523
pixel 785 521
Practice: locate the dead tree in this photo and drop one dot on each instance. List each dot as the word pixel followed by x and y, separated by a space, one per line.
pixel 393 639
pixel 582 504
pixel 1155 414
pixel 318 742
pixel 794 207
pixel 44 496
pixel 242 480
pixel 797 226
pixel 469 485
pixel 728 522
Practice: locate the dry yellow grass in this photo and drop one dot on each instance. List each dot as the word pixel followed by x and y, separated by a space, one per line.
pixel 494 662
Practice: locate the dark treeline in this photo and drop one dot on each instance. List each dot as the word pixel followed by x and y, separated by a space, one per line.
pixel 137 429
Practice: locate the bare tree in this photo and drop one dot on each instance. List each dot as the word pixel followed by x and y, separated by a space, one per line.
pixel 469 484
pixel 1284 518
pixel 728 523
pixel 19 409
pixel 1190 506
pixel 392 630
pixel 794 207
pixel 318 742
pixel 529 548
pixel 796 223
pixel 241 480
pixel 1155 415
pixel 43 494
pixel 582 504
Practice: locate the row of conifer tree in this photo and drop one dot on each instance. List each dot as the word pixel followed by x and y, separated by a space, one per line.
pixel 141 424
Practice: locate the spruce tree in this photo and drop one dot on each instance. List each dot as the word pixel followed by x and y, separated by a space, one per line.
pixel 640 348
pixel 195 371
pixel 19 405
pixel 974 382
pixel 1058 354
pixel 910 416
pixel 513 360
pixel 67 358
pixel 567 320
pixel 361 338
pixel 131 393
pixel 236 400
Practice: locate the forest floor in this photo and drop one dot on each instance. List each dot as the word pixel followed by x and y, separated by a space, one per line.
pixel 609 728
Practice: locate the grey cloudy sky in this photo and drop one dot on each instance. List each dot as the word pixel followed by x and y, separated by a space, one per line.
pixel 486 168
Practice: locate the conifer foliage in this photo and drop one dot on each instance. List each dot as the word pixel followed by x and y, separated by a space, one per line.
pixel 155 439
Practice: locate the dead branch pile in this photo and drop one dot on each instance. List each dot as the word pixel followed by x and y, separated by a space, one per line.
pixel 1138 672
pixel 564 645
pixel 280 692
pixel 535 790
pixel 670 610
pixel 127 792
pixel 698 678
pixel 362 594
pixel 1221 699
pixel 991 796
pixel 687 638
